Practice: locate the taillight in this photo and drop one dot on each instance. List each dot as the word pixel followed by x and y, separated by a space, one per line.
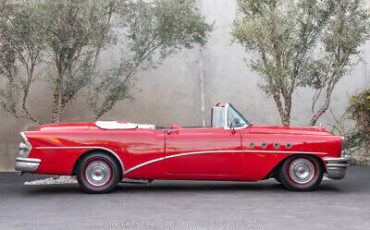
pixel 25 147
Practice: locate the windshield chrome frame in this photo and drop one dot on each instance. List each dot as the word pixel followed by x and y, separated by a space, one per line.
pixel 226 109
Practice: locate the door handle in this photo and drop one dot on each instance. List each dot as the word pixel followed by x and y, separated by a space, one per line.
pixel 172 131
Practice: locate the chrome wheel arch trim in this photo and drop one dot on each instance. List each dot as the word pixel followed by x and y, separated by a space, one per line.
pixel 91 148
pixel 124 172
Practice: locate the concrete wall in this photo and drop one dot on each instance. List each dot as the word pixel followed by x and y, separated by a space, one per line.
pixel 188 84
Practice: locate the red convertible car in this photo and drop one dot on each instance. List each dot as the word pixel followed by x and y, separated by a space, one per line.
pixel 103 153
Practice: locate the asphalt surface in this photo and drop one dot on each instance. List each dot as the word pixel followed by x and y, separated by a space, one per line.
pixel 343 204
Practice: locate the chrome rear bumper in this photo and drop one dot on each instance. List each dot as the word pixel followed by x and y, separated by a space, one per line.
pixel 336 166
pixel 27 164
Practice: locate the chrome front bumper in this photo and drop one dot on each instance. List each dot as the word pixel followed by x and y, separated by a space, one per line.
pixel 336 166
pixel 27 164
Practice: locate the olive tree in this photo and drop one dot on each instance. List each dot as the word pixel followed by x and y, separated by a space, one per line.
pixel 21 46
pixel 63 40
pixel 151 33
pixel 301 44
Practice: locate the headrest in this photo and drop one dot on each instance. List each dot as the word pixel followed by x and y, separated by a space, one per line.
pixel 176 127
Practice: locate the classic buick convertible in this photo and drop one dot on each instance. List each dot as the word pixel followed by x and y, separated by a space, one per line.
pixel 103 153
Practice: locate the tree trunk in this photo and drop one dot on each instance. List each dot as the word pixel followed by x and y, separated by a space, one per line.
pixel 323 108
pixel 319 113
pixel 288 108
pixel 54 116
pixel 284 115
pixel 285 119
pixel 26 89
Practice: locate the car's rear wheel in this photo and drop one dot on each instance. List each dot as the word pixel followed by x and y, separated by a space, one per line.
pixel 98 173
pixel 301 173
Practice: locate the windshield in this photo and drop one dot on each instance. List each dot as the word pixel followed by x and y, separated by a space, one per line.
pixel 235 118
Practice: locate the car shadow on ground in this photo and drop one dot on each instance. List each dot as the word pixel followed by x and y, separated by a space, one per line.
pixel 178 187
pixel 199 187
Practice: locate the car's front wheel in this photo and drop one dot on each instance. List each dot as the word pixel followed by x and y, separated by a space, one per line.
pixel 98 173
pixel 301 173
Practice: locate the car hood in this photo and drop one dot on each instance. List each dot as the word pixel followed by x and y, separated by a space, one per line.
pixel 289 130
pixel 65 126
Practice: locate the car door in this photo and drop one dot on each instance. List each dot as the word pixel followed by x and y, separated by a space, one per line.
pixel 203 153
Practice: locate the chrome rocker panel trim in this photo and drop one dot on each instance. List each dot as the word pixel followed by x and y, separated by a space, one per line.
pixel 27 164
pixel 336 166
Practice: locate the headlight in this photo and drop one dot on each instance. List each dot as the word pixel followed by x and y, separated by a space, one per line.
pixel 25 147
pixel 342 151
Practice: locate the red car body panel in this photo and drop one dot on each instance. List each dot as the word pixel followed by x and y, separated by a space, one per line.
pixel 180 153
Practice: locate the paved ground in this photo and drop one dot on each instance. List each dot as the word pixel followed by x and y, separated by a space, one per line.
pixel 187 205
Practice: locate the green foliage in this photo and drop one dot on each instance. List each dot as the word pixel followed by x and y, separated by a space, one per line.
pixel 301 44
pixel 77 32
pixel 68 37
pixel 360 104
pixel 21 44
pixel 282 33
pixel 65 35
pixel 357 137
pixel 153 31
pixel 360 112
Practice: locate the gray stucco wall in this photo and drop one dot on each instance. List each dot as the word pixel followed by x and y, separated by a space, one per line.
pixel 177 91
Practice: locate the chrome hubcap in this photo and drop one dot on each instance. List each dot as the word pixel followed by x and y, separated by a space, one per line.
pixel 301 171
pixel 98 173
